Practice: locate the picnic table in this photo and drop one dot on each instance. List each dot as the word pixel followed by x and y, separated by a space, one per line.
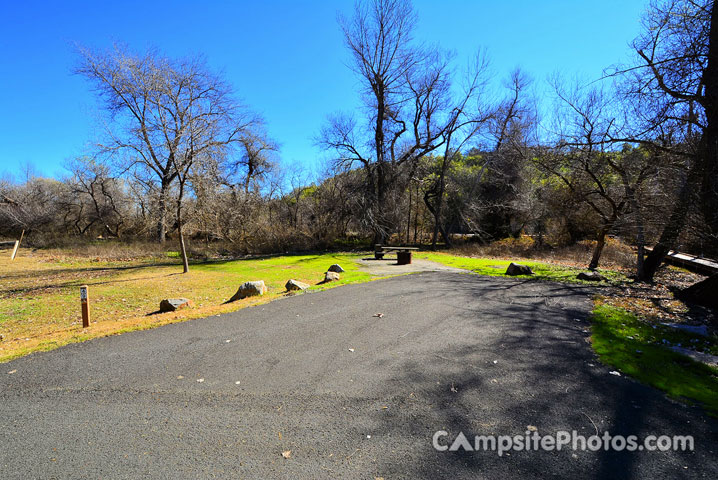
pixel 403 254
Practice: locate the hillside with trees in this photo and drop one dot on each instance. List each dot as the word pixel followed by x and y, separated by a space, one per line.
pixel 436 155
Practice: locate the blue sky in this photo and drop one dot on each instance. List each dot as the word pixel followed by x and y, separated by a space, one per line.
pixel 285 59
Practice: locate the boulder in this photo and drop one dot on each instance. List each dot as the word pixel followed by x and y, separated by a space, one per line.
pixel 296 285
pixel 703 293
pixel 517 269
pixel 697 329
pixel 249 289
pixel 336 268
pixel 707 358
pixel 591 276
pixel 330 277
pixel 172 304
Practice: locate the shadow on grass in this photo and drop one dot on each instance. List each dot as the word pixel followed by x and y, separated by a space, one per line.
pixel 14 292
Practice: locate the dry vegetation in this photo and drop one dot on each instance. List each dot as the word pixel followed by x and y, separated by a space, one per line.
pixel 39 291
pixel 653 302
pixel 616 255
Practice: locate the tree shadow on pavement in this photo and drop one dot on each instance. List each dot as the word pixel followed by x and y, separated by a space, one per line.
pixel 530 366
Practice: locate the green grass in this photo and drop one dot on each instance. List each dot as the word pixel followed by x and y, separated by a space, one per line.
pixel 637 349
pixel 39 293
pixel 276 270
pixel 497 268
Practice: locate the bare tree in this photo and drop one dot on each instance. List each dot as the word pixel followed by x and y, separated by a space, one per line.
pixel 407 93
pixel 674 87
pixel 605 180
pixel 166 116
pixel 464 124
pixel 92 183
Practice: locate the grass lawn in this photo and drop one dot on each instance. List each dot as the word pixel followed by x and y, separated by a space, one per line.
pixel 638 349
pixel 40 306
pixel 542 271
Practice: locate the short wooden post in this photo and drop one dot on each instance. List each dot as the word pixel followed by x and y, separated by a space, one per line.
pixel 17 245
pixel 85 301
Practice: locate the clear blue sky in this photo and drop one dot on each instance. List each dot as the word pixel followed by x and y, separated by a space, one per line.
pixel 285 58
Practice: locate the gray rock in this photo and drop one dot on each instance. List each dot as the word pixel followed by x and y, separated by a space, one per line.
pixel 172 304
pixel 296 285
pixel 706 358
pixel 591 276
pixel 336 268
pixel 330 277
pixel 517 269
pixel 249 289
pixel 703 293
pixel 697 329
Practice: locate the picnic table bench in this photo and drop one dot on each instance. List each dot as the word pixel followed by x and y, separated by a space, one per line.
pixel 403 254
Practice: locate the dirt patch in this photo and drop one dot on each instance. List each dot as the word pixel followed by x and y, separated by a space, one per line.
pixel 388 267
pixel 657 302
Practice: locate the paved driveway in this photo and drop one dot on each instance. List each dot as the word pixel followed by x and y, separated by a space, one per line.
pixel 349 394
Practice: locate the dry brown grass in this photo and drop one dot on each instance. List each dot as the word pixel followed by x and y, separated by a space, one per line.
pixel 39 291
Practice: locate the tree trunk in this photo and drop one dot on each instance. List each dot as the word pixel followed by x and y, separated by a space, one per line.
pixel 674 227
pixel 183 249
pixel 438 227
pixel 408 219
pixel 437 212
pixel 416 216
pixel 162 220
pixel 435 233
pixel 709 184
pixel 600 244
pixel 641 255
pixel 641 241
pixel 640 237
pixel 381 232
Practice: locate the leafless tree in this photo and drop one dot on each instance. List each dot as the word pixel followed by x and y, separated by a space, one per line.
pixel 674 88
pixel 406 90
pixel 605 180
pixel 92 183
pixel 166 116
pixel 465 123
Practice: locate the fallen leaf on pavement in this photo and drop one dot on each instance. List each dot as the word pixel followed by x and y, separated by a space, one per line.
pixel 378 315
pixel 287 453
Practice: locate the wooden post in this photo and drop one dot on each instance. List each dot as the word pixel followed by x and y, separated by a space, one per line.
pixel 17 245
pixel 85 301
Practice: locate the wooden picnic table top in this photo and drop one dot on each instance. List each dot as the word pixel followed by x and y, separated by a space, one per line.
pixel 396 248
